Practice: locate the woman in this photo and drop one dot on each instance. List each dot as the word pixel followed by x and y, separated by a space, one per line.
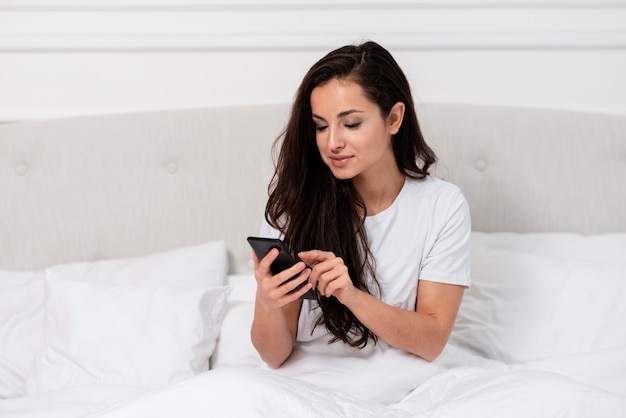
pixel 387 244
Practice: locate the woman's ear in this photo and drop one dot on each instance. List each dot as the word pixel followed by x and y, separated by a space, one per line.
pixel 396 115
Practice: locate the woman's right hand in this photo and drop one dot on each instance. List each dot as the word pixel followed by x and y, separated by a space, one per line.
pixel 276 291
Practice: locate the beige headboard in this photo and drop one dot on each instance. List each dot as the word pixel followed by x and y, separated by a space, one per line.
pixel 125 185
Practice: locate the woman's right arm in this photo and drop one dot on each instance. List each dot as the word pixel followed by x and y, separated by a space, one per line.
pixel 276 310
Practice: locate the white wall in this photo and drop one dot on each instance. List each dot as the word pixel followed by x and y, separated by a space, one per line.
pixel 60 58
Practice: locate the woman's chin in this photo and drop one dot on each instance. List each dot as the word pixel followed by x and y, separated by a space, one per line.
pixel 342 174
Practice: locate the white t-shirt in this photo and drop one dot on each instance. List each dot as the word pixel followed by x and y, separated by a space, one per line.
pixel 423 235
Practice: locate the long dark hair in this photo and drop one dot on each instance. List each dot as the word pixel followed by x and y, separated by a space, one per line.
pixel 315 210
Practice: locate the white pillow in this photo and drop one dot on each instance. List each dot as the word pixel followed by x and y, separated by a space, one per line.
pixel 22 297
pixel 536 296
pixel 21 328
pixel 203 265
pixel 136 335
pixel 234 346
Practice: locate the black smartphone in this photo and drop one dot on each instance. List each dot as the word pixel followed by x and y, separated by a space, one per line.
pixel 262 246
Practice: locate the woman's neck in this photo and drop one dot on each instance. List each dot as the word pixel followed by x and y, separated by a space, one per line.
pixel 380 192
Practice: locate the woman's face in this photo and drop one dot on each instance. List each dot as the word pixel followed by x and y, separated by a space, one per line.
pixel 353 139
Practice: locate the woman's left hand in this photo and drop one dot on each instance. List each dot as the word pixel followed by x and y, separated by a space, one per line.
pixel 330 275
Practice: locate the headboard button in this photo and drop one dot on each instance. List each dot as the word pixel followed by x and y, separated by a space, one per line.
pixel 172 168
pixel 481 165
pixel 21 169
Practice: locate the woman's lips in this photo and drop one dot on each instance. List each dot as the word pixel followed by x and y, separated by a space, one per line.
pixel 340 161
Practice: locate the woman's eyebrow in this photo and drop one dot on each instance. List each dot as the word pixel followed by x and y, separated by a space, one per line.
pixel 340 114
pixel 348 112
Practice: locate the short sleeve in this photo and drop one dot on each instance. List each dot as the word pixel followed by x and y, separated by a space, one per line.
pixel 267 231
pixel 447 258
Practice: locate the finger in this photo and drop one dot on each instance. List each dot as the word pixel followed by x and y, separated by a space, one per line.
pixel 324 271
pixel 269 258
pixel 320 274
pixel 289 279
pixel 291 285
pixel 330 269
pixel 313 257
pixel 287 274
pixel 333 277
pixel 292 297
pixel 339 283
pixel 300 292
pixel 288 291
pixel 313 278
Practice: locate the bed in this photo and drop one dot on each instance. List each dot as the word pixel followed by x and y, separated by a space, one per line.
pixel 126 286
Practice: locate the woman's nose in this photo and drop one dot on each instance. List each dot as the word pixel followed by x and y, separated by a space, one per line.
pixel 335 142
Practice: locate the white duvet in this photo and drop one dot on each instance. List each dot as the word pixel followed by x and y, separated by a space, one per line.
pixel 486 389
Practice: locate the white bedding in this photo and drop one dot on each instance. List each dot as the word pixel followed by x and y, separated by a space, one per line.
pixel 540 333
pixel 490 391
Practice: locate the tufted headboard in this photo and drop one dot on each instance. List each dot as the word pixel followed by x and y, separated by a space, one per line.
pixel 124 185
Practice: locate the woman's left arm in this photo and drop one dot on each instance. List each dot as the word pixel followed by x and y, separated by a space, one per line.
pixel 423 332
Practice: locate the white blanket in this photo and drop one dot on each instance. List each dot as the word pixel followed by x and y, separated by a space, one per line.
pixel 486 389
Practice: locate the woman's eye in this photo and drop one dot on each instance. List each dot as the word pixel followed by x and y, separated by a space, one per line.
pixel 320 128
pixel 353 125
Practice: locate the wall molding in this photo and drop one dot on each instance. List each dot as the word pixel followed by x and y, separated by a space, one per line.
pixel 55 49
pixel 182 5
pixel 292 25
pixel 186 42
